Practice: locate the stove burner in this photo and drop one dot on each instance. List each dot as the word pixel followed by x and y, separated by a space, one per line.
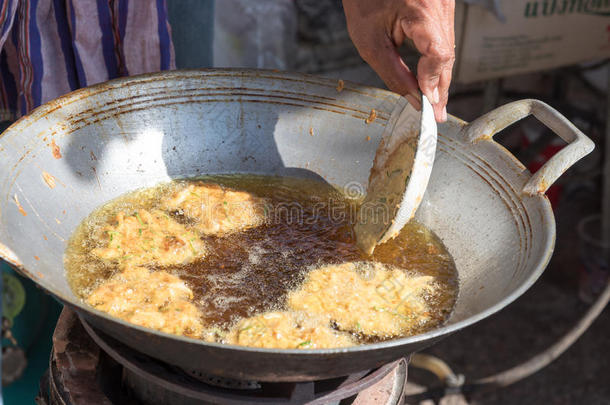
pixel 150 381
pixel 224 382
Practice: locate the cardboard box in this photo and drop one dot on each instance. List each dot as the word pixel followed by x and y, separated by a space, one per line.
pixel 537 35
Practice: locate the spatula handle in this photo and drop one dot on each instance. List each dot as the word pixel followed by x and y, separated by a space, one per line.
pixel 579 145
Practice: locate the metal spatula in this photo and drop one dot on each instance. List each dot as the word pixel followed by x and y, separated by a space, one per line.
pixel 399 176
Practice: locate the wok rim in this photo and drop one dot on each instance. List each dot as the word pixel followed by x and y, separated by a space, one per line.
pixel 82 308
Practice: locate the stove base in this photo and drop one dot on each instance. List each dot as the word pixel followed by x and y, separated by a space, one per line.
pixel 87 367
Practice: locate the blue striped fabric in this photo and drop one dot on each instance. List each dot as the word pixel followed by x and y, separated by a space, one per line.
pixel 106 23
pixel 80 71
pixel 9 89
pixel 7 13
pixel 65 42
pixel 121 11
pixel 51 47
pixel 163 31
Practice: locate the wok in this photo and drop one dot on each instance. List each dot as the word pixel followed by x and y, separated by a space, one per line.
pixel 76 152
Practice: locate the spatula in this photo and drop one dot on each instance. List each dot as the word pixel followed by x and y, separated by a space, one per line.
pixel 399 176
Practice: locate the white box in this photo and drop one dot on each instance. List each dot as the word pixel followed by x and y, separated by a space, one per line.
pixel 537 35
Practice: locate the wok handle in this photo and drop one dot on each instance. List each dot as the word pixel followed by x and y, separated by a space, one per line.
pixel 579 145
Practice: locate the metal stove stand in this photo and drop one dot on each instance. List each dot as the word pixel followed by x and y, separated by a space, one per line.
pixel 87 367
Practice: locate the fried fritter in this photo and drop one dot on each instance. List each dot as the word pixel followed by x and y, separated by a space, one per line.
pixel 287 330
pixel 216 210
pixel 366 298
pixel 156 300
pixel 149 237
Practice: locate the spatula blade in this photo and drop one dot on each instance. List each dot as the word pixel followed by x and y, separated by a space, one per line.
pixel 399 176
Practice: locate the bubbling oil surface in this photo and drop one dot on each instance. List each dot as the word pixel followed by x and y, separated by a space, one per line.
pixel 252 271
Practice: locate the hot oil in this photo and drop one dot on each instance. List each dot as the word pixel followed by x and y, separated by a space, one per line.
pixel 251 271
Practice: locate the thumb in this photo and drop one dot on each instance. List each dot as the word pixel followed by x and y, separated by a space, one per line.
pixel 428 76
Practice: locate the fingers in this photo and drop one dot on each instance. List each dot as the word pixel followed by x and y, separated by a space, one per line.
pixel 414 101
pixel 432 33
pixel 443 86
pixel 434 79
pixel 388 64
pixel 429 74
pixel 435 65
pixel 365 23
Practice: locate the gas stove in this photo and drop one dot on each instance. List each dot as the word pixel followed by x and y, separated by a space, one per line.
pixel 88 367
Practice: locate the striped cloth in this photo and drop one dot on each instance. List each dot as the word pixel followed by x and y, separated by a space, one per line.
pixel 51 47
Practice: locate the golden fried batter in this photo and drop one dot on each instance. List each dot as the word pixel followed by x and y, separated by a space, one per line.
pixel 149 237
pixel 217 211
pixel 287 330
pixel 154 300
pixel 367 298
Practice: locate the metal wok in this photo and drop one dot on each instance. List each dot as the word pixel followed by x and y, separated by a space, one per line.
pixel 81 150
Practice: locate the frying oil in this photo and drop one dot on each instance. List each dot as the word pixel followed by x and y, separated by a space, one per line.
pixel 309 225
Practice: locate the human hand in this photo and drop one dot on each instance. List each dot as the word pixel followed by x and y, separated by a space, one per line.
pixel 379 27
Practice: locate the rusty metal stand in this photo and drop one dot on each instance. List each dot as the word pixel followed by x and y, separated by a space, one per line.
pixel 87 367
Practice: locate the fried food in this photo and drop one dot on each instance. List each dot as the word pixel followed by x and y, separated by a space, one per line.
pixel 156 300
pixel 366 298
pixel 215 210
pixel 287 330
pixel 149 237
